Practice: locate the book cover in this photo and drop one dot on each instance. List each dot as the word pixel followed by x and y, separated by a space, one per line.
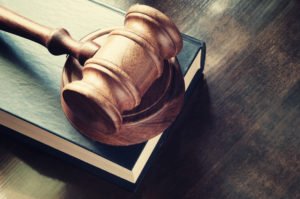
pixel 30 81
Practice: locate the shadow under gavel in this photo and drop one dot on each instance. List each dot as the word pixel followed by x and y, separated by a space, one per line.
pixel 130 87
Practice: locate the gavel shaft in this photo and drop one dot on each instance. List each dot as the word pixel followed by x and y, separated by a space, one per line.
pixel 57 41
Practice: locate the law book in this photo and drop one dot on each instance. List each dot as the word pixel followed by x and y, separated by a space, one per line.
pixel 30 79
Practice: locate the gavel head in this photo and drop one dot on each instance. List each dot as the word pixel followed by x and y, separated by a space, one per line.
pixel 119 74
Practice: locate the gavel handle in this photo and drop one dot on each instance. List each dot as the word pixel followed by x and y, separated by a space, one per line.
pixel 57 41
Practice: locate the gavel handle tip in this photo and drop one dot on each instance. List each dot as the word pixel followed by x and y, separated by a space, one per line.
pixel 57 41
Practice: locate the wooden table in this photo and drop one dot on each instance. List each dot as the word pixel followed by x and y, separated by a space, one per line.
pixel 241 135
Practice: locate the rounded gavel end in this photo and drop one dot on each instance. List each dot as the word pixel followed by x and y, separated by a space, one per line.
pixel 122 70
pixel 86 103
pixel 164 31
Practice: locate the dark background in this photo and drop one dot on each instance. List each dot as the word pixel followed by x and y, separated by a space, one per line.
pixel 241 134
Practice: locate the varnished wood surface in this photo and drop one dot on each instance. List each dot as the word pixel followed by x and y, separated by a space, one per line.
pixel 241 134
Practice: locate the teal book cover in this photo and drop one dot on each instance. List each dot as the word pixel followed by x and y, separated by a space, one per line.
pixel 30 79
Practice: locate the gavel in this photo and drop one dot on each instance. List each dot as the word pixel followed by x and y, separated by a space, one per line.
pixel 130 87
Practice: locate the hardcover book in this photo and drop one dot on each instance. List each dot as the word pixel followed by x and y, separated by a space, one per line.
pixel 30 79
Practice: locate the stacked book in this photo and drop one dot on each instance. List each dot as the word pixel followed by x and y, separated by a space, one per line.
pixel 30 87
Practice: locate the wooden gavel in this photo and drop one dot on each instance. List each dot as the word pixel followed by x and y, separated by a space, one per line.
pixel 130 88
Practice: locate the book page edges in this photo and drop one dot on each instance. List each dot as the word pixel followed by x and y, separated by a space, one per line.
pixel 64 146
pixel 149 147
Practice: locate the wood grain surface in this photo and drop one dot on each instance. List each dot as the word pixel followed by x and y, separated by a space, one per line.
pixel 240 137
